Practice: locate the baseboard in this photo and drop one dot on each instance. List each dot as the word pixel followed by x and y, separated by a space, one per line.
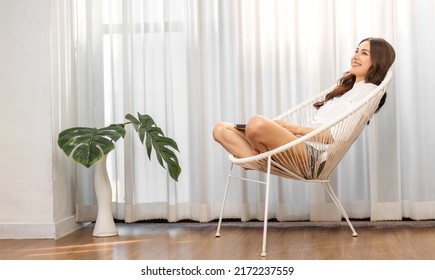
pixel 67 226
pixel 40 231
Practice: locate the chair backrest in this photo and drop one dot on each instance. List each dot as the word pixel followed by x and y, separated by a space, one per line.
pixel 347 129
pixel 322 159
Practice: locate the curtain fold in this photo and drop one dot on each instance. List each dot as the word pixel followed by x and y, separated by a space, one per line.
pixel 415 86
pixel 190 64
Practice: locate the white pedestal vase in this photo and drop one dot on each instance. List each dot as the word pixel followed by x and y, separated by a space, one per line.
pixel 104 225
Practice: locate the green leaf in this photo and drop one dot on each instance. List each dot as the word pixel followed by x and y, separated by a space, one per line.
pixel 88 145
pixel 152 136
pixel 135 122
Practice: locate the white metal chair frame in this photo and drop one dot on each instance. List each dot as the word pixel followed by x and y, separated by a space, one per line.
pixel 281 162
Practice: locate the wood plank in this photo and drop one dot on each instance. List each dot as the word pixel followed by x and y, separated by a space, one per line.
pixel 408 240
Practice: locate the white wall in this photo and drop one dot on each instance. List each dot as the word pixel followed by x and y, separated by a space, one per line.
pixel 32 203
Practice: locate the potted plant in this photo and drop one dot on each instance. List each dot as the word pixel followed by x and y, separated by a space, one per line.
pixel 89 146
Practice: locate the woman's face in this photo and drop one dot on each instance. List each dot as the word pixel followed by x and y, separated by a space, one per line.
pixel 361 61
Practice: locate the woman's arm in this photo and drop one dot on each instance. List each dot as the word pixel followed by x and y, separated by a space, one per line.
pixel 324 137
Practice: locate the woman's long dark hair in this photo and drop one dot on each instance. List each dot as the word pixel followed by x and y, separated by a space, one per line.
pixel 382 55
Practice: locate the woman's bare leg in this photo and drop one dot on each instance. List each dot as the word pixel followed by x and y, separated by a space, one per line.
pixel 261 135
pixel 265 134
pixel 233 140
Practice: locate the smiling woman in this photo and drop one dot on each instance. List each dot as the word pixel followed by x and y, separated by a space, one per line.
pixel 369 66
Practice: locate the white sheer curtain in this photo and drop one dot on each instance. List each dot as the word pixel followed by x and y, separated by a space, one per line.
pixel 415 87
pixel 189 64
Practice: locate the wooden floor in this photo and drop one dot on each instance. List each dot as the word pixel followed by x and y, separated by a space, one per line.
pixel 401 240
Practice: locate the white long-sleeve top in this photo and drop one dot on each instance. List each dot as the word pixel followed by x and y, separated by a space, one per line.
pixel 339 105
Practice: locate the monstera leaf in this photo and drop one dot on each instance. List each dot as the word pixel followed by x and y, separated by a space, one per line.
pixel 88 145
pixel 152 137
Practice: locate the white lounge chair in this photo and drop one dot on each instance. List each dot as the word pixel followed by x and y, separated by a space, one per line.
pixel 324 158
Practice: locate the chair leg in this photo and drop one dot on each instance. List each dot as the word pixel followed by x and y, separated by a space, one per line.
pixel 331 193
pixel 218 234
pixel 266 207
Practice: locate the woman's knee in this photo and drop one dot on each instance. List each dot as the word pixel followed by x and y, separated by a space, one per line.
pixel 256 126
pixel 219 129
